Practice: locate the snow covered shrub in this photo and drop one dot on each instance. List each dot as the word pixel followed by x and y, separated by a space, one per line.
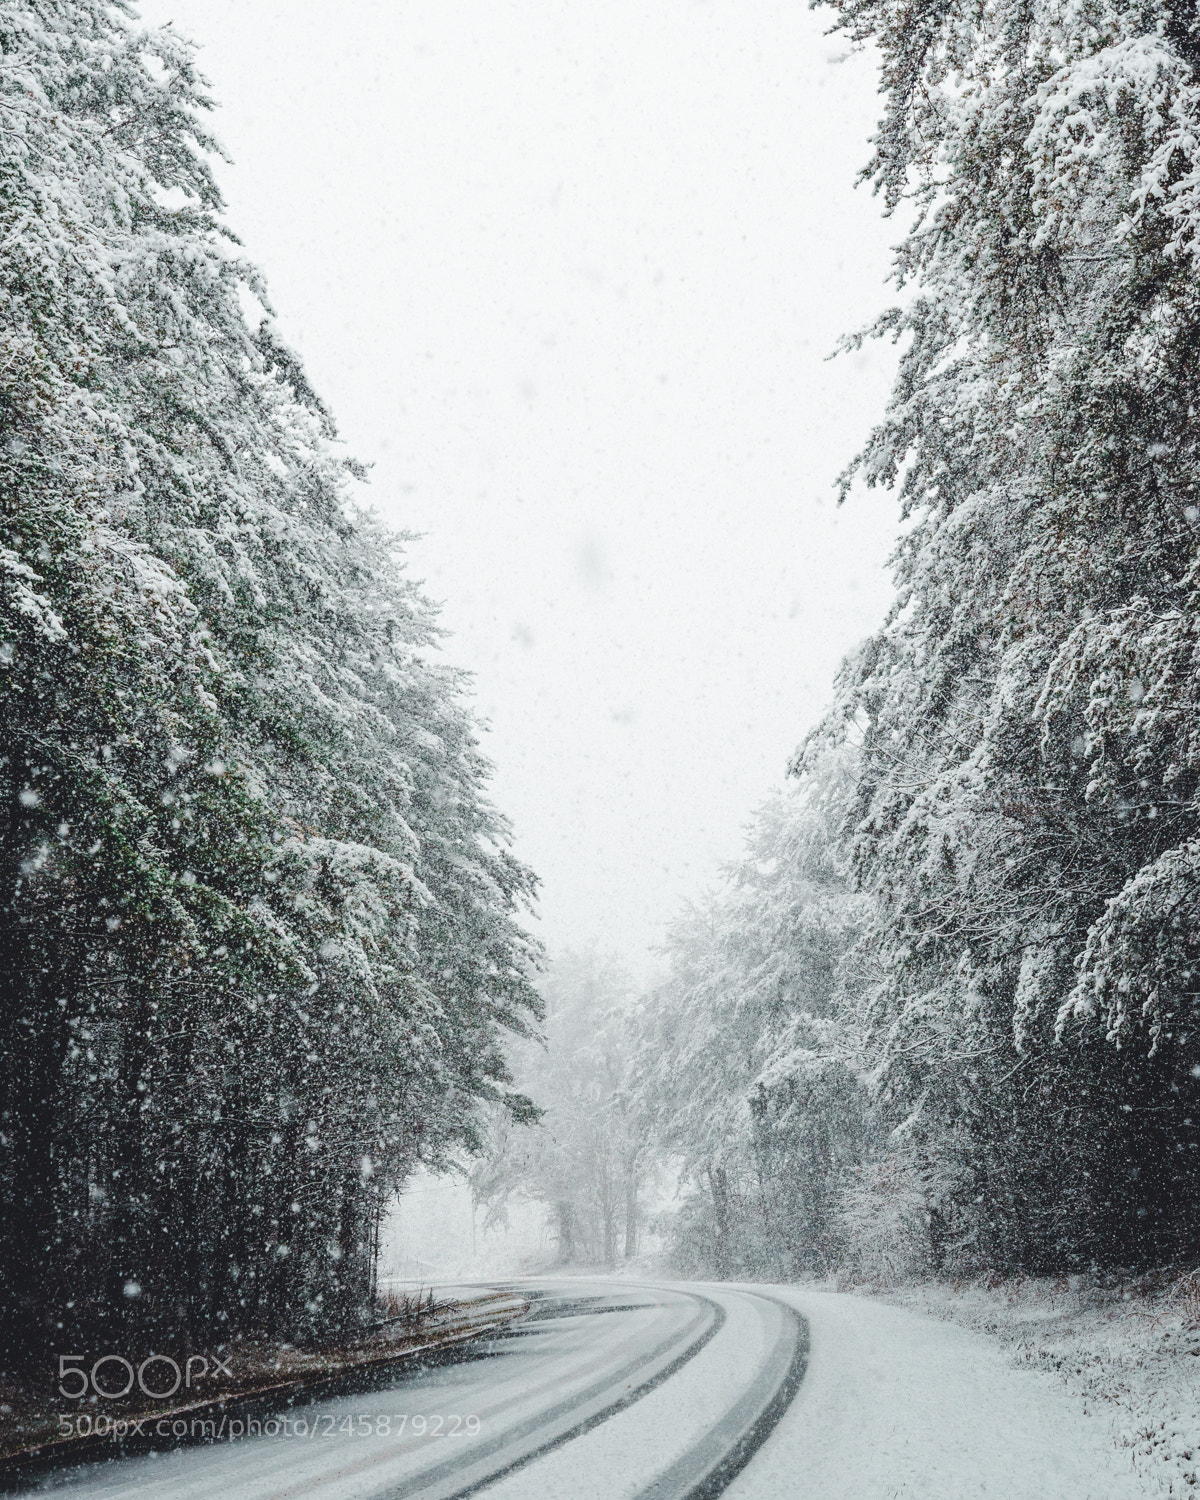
pixel 885 1221
pixel 1184 1296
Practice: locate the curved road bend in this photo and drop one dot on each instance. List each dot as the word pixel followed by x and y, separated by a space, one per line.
pixel 604 1389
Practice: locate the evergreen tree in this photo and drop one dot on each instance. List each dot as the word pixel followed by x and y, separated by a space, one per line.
pixel 1027 815
pixel 259 931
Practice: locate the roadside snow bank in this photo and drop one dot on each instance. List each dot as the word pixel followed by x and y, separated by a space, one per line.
pixel 1127 1350
pixel 897 1406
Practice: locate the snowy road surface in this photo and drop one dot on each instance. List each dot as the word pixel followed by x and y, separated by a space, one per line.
pixel 658 1392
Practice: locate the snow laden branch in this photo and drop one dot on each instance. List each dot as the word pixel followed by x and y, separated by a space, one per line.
pixel 1025 818
pixel 261 934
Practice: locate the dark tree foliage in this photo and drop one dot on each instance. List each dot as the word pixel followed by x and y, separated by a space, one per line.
pixel 1027 818
pixel 258 936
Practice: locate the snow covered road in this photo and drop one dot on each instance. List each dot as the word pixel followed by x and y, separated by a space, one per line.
pixel 614 1390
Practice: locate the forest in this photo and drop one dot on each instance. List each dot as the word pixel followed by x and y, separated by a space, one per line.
pixel 262 932
pixel 942 1014
pixel 265 947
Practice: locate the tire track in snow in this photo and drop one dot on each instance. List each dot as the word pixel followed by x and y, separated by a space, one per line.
pixel 707 1467
pixel 548 1430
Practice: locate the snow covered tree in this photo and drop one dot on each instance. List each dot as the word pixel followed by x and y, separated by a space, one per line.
pixel 1027 819
pixel 585 1159
pixel 260 926
pixel 748 1069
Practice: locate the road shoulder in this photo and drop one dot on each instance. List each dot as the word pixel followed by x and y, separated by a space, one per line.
pixel 897 1403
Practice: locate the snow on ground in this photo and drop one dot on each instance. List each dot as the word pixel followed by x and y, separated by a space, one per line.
pixel 1126 1353
pixel 895 1405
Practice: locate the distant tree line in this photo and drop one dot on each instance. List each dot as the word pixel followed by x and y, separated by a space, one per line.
pixel 259 936
pixel 586 1160
pixel 749 1068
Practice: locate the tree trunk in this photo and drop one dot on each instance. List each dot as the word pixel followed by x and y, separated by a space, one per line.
pixel 565 1213
pixel 718 1184
pixel 631 1210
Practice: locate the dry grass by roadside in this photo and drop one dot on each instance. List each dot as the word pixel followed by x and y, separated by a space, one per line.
pixel 30 1414
pixel 1128 1347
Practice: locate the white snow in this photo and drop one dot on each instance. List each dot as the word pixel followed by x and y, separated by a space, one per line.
pixel 1127 1354
pixel 898 1404
pixel 618 1459
pixel 895 1403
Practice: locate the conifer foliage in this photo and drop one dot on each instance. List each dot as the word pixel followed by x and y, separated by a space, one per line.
pixel 1027 815
pixel 259 939
pixel 1013 988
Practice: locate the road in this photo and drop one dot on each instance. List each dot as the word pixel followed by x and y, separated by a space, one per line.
pixel 612 1389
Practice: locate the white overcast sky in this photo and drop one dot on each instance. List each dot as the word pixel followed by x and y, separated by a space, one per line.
pixel 567 272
